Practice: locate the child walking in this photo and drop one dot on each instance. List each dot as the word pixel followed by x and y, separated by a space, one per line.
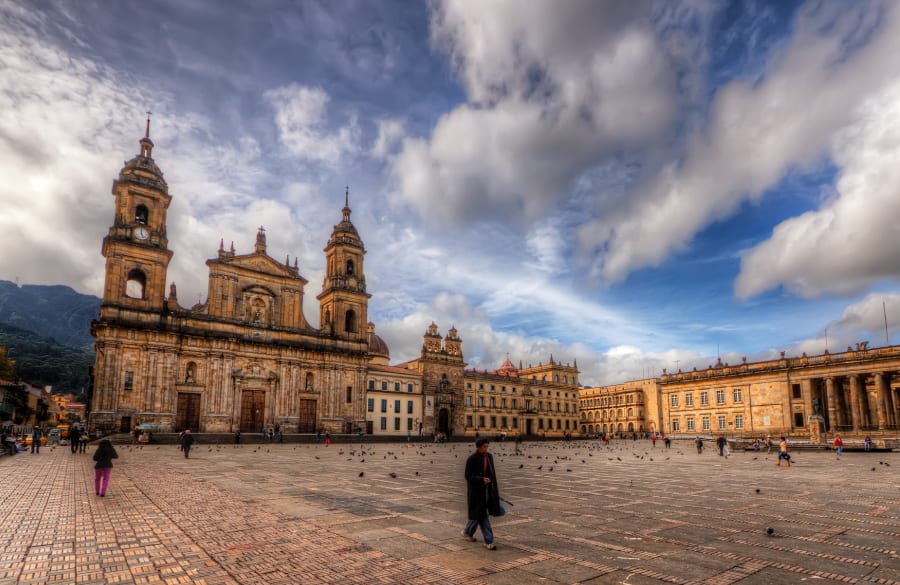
pixel 103 468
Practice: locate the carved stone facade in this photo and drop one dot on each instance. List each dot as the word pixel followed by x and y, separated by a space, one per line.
pixel 246 358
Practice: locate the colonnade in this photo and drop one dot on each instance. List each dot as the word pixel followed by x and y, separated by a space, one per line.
pixel 853 402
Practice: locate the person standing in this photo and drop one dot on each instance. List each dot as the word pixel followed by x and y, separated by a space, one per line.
pixel 187 441
pixel 838 446
pixel 104 455
pixel 783 452
pixel 74 438
pixel 482 493
pixel 699 443
pixel 867 444
pixel 653 440
pixel 327 438
pixel 36 435
pixel 720 443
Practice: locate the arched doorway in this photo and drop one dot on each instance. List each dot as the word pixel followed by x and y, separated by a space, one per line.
pixel 444 421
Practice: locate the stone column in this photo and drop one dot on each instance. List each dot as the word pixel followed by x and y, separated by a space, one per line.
pixel 806 388
pixel 864 419
pixel 855 411
pixel 831 397
pixel 891 404
pixel 881 391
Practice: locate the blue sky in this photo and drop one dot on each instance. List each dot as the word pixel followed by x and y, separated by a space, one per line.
pixel 635 185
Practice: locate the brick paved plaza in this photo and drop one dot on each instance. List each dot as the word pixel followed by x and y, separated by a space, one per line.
pixel 583 513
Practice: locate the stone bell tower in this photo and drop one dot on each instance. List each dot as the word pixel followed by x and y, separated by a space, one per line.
pixel 343 302
pixel 136 247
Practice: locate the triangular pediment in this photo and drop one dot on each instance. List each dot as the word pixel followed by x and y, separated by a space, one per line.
pixel 260 263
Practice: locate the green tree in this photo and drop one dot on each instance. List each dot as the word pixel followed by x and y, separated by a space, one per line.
pixel 7 366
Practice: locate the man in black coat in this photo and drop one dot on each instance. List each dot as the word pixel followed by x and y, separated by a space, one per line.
pixel 187 441
pixel 482 494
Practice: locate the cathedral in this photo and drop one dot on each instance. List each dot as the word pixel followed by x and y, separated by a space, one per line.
pixel 246 358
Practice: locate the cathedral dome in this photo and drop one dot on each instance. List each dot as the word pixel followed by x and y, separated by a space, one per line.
pixel 378 349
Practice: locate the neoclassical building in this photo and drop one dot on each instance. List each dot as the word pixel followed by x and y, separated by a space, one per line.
pixel 855 392
pixel 244 359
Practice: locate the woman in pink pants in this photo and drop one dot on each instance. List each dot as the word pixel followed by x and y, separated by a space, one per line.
pixel 103 468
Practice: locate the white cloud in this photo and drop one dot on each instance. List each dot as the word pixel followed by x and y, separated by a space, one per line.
pixel 391 132
pixel 846 245
pixel 552 89
pixel 300 115
pixel 758 130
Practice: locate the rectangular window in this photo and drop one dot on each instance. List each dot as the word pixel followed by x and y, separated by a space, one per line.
pixel 469 385
pixel 409 424
pixel 674 424
pixel 515 403
pixel 503 402
pixel 674 400
pixel 493 402
pixel 396 386
pixel 469 420
pixel 349 394
pixel 129 381
pixel 704 398
pixel 515 422
pixel 503 422
pixel 705 423
pixel 384 385
pixel 540 424
pixel 481 402
pixel 690 424
pixel 468 401
pixel 383 405
pixel 409 388
pixel 481 422
pixel 396 423
pixel 798 419
pixel 371 405
pixel 689 399
pixel 795 389
pixel 721 421
pixel 409 407
pixel 739 421
pixel 384 423
pixel 720 396
pixel 738 396
pixel 371 384
pixel 493 422
pixel 397 406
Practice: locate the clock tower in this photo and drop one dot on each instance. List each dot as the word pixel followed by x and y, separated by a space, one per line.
pixel 343 302
pixel 136 247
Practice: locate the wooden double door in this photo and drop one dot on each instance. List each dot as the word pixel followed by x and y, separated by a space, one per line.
pixel 307 416
pixel 187 413
pixel 253 410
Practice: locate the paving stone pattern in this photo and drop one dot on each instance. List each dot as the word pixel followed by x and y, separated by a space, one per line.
pixel 583 513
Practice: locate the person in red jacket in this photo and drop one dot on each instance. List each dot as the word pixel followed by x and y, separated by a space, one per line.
pixel 838 446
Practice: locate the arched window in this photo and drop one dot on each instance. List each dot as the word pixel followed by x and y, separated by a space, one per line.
pixel 350 267
pixel 350 321
pixel 141 213
pixel 134 286
pixel 630 412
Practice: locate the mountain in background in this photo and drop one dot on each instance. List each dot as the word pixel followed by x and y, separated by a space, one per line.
pixel 56 311
pixel 43 362
pixel 47 330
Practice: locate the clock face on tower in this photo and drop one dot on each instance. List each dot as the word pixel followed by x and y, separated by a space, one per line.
pixel 141 233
